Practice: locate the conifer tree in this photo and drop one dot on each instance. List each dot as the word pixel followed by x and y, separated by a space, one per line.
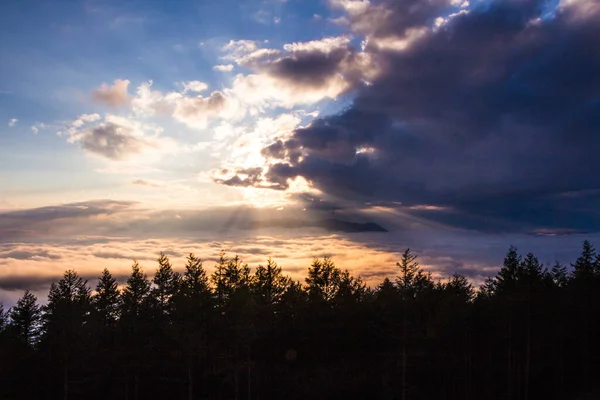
pixel 135 293
pixel 107 298
pixel 26 319
pixel 510 272
pixel 165 285
pixel 269 284
pixel 134 321
pixel 192 310
pixel 66 314
pixel 585 267
pixel 559 275
pixel 3 317
pixel 323 280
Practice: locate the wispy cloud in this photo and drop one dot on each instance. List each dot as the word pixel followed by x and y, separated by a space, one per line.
pixel 223 67
pixel 12 122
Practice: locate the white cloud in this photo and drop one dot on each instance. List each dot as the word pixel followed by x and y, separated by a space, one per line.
pixel 113 96
pixel 194 86
pixel 194 111
pixel 197 111
pixel 150 102
pixel 263 90
pixel 223 68
pixel 352 7
pixel 237 48
pixel 411 35
pixel 12 122
pixel 85 118
pixel 325 45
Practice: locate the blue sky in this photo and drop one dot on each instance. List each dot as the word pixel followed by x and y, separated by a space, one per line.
pixel 256 122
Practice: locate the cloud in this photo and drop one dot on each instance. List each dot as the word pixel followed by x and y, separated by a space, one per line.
pixel 37 245
pixel 117 138
pixel 301 73
pixel 148 102
pixel 112 96
pixel 223 68
pixel 194 86
pixel 237 48
pixel 35 128
pixel 29 254
pixel 143 182
pixel 197 111
pixel 12 122
pixel 484 122
pixel 194 111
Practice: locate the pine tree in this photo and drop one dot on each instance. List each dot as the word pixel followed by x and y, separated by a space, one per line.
pixel 559 275
pixel 135 294
pixel 194 282
pixel 66 314
pixel 585 266
pixel 510 272
pixel 134 316
pixel 460 288
pixel 3 317
pixel 532 269
pixel 237 276
pixel 412 282
pixel 107 299
pixel 269 284
pixel 350 289
pixel 193 305
pixel 26 319
pixel 534 274
pixel 218 279
pixel 487 289
pixel 323 280
pixel 165 285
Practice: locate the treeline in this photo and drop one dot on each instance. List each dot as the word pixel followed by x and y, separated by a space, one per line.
pixel 527 333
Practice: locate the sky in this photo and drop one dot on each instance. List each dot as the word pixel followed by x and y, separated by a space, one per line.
pixel 295 129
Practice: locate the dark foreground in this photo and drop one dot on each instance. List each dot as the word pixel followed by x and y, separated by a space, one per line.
pixel 528 333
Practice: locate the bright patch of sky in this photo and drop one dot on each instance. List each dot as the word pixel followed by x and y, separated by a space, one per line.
pixel 162 70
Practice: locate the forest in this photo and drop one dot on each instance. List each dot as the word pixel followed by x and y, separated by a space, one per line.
pixel 529 332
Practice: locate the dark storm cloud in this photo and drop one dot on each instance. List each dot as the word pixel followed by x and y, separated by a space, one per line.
pixel 312 68
pixel 493 118
pixel 330 64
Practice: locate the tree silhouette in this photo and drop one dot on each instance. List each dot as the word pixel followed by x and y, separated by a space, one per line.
pixel 66 315
pixel 323 280
pixel 106 300
pixel 134 323
pixel 26 319
pixel 526 333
